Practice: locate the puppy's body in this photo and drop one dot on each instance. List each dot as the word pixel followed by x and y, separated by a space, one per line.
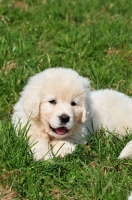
pixel 112 110
pixel 61 110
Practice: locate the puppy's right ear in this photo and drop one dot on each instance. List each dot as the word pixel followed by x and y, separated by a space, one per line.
pixel 31 107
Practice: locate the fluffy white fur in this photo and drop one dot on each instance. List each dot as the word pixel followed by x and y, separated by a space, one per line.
pixel 127 151
pixel 130 197
pixel 59 107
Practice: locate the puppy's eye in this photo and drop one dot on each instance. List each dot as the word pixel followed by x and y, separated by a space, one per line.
pixel 73 103
pixel 52 101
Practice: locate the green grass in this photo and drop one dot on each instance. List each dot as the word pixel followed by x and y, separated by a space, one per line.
pixel 92 37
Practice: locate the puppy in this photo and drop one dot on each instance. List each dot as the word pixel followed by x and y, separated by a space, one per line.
pixel 59 110
pixel 55 104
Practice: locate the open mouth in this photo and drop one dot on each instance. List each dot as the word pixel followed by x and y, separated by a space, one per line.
pixel 60 130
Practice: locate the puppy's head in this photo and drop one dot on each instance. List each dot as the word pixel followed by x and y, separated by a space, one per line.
pixel 57 98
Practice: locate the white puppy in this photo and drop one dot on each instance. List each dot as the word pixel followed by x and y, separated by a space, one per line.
pixel 54 103
pixel 59 108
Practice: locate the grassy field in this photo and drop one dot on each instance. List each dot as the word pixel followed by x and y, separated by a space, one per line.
pixel 92 37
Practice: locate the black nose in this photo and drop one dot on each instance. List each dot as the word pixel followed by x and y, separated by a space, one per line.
pixel 64 118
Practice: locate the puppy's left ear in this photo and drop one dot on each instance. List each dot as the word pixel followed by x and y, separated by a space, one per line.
pixel 87 90
pixel 84 113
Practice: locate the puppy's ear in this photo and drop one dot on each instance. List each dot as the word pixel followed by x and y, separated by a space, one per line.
pixel 31 96
pixel 31 100
pixel 84 113
pixel 31 107
pixel 87 90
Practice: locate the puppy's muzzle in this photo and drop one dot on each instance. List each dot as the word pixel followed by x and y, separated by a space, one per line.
pixel 64 118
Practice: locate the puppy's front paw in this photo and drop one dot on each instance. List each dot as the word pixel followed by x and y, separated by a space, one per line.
pixel 63 148
pixel 40 148
pixel 127 151
pixel 40 155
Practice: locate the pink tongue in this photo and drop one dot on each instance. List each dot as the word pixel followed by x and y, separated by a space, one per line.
pixel 61 130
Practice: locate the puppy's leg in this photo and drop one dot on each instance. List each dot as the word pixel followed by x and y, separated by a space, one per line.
pixel 130 197
pixel 62 147
pixel 40 148
pixel 127 151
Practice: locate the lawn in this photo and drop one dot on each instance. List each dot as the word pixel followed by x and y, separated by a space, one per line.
pixel 95 39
